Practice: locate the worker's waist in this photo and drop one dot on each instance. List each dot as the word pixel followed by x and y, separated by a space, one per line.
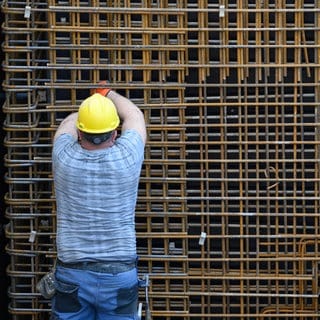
pixel 113 267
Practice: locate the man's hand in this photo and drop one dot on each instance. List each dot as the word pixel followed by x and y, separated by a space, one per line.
pixel 103 91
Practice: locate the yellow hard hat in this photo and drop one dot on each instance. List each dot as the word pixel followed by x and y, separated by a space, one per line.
pixel 97 114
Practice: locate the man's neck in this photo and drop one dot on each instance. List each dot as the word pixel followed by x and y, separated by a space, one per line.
pixel 90 146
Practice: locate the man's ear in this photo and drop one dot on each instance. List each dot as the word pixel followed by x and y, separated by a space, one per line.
pixel 114 135
pixel 79 135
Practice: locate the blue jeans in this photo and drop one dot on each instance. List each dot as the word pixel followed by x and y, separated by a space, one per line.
pixel 88 295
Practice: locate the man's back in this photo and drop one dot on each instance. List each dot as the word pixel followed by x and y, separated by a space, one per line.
pixel 96 196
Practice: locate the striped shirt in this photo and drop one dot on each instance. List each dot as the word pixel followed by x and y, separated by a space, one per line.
pixel 96 194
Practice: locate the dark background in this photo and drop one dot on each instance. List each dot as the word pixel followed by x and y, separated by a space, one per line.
pixel 4 260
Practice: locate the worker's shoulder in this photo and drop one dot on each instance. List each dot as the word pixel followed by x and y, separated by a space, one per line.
pixel 63 138
pixel 131 136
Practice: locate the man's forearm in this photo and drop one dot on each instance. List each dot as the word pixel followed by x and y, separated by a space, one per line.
pixel 123 104
pixel 131 116
pixel 68 125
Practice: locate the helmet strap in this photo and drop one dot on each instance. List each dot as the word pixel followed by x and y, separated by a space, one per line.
pixel 97 139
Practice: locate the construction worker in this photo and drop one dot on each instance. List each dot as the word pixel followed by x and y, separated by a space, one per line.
pixel 96 178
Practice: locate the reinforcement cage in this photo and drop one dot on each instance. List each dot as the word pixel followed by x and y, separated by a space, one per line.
pixel 227 216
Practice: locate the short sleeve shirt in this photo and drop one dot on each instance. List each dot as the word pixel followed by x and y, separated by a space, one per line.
pixel 96 194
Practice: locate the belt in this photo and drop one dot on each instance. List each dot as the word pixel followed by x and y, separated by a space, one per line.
pixel 113 267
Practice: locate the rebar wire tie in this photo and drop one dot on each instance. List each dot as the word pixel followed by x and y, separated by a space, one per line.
pixel 144 283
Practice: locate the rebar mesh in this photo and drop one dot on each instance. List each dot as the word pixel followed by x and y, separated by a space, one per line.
pixel 228 208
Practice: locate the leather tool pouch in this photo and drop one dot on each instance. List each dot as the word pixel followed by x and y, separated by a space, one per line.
pixel 46 286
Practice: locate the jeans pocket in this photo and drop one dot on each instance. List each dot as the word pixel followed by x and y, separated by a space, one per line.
pixel 127 300
pixel 66 298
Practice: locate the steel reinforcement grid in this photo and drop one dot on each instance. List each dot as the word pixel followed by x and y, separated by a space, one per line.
pixel 227 217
